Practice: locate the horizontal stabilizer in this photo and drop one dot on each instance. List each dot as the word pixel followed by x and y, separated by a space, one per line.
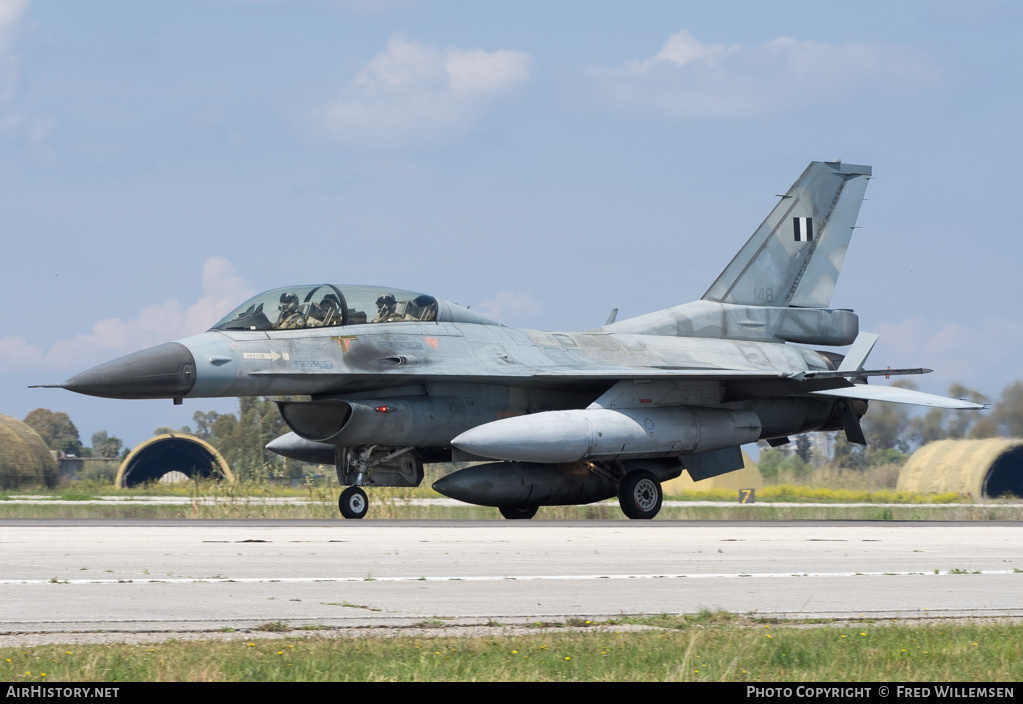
pixel 860 373
pixel 894 394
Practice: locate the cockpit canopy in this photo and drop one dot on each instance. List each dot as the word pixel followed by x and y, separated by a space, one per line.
pixel 326 305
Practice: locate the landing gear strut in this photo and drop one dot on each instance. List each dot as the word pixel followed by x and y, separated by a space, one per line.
pixel 640 495
pixel 353 502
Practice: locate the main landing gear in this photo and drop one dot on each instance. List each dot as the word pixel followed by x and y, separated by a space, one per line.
pixel 640 494
pixel 353 502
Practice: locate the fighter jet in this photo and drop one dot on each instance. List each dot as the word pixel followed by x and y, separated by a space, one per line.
pixel 392 379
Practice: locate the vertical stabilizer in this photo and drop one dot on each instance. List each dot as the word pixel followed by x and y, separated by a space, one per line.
pixel 795 256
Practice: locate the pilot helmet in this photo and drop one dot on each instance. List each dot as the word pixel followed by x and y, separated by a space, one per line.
pixel 386 300
pixel 289 301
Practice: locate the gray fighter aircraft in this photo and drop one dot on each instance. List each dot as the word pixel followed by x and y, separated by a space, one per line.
pixel 396 378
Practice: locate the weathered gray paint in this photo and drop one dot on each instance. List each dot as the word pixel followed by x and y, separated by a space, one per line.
pixel 688 383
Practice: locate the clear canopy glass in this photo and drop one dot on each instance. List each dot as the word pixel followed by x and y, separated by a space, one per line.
pixel 326 305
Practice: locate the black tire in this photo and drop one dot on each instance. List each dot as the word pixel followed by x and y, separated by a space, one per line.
pixel 353 503
pixel 518 512
pixel 640 495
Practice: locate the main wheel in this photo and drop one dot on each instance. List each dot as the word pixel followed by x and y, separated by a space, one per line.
pixel 513 512
pixel 353 502
pixel 640 495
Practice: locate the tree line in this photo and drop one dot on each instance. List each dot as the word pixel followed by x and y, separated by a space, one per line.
pixel 61 435
pixel 894 431
pixel 241 439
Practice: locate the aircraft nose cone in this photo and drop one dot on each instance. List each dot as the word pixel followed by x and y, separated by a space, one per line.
pixel 164 371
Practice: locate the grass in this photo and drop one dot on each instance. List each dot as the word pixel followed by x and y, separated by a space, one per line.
pixel 810 494
pixel 381 508
pixel 710 647
pixel 254 499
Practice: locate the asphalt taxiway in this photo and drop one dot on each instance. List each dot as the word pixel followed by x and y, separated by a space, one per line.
pixel 178 577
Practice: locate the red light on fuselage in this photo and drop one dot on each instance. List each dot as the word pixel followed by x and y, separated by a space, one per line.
pixel 384 409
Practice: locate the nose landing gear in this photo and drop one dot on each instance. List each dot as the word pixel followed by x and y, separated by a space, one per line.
pixel 353 503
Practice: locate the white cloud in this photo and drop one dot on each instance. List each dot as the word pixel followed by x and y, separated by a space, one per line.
pixel 155 324
pixel 684 49
pixel 32 130
pixel 688 78
pixel 509 304
pixel 981 354
pixel 412 91
pixel 11 12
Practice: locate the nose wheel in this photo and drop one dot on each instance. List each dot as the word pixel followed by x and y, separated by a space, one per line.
pixel 353 503
pixel 640 495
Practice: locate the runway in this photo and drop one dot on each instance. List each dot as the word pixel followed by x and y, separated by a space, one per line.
pixel 180 577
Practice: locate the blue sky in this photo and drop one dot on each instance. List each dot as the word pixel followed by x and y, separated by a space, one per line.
pixel 542 162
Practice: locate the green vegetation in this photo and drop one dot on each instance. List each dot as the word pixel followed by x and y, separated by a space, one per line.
pixel 56 430
pixel 821 470
pixel 714 646
pixel 811 494
pixel 205 498
pixel 395 504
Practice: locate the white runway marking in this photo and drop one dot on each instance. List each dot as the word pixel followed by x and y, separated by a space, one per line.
pixel 187 576
pixel 503 578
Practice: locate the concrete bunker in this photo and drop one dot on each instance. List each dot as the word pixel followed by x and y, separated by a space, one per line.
pixel 24 458
pixel 983 468
pixel 166 454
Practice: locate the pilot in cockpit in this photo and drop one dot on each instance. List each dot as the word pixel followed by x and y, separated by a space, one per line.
pixel 330 309
pixel 386 310
pixel 291 317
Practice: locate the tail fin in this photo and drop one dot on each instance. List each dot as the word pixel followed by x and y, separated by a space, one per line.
pixel 795 256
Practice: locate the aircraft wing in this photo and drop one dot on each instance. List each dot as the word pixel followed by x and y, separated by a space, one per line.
pixel 894 394
pixel 739 383
pixel 658 373
pixel 838 378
